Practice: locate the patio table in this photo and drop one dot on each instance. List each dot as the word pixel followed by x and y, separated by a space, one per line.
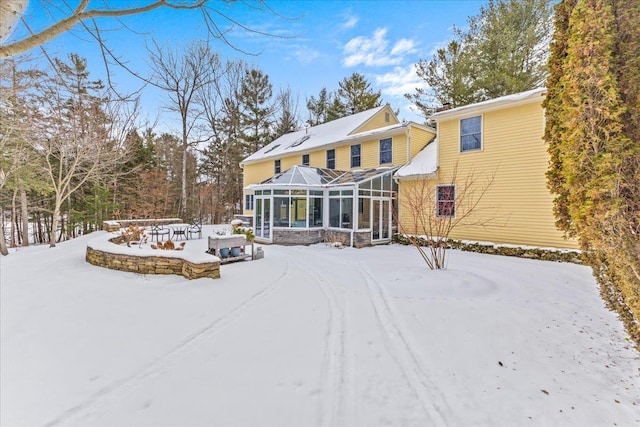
pixel 178 230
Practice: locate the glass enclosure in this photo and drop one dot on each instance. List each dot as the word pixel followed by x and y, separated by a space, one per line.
pixel 306 198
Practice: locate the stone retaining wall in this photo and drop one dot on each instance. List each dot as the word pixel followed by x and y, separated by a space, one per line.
pixel 153 264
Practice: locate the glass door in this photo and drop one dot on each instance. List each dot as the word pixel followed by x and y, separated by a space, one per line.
pixel 380 220
pixel 262 218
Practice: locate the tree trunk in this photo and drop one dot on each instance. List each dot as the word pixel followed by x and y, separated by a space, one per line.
pixel 3 243
pixel 25 217
pixel 12 239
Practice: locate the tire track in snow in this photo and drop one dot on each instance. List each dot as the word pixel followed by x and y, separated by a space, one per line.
pixel 337 384
pixel 156 367
pixel 403 352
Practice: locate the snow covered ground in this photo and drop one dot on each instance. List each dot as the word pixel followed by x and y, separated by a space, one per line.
pixel 311 336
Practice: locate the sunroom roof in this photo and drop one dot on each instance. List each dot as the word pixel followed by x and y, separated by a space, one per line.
pixel 310 176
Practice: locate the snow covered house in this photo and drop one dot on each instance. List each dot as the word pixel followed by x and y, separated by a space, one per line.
pixel 353 179
pixel 498 143
pixel 331 181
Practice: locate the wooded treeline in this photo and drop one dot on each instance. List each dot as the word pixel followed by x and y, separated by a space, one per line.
pixel 73 153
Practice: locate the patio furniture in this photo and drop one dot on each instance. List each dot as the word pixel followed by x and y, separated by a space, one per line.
pixel 179 230
pixel 159 232
pixel 195 228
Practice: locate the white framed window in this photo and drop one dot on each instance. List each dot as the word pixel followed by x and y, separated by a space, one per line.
pixel 471 134
pixel 355 156
pixel 331 159
pixel 305 160
pixel 386 151
pixel 445 201
pixel 276 166
pixel 248 202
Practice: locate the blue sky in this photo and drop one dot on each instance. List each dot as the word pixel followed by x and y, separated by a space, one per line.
pixel 319 44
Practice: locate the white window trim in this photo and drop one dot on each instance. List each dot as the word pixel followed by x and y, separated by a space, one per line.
pixel 252 198
pixel 455 201
pixel 380 151
pixel 475 150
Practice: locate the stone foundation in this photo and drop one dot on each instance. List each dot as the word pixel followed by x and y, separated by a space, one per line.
pixel 292 236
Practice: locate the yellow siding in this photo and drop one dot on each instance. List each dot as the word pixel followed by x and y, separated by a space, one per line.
pixel 378 121
pixel 517 202
pixel 419 138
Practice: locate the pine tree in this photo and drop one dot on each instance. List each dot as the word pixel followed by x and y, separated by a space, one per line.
pixel 356 95
pixel 257 109
pixel 318 108
pixel 503 51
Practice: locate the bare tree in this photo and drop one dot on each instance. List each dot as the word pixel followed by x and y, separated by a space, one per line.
pixel 221 107
pixel 182 76
pixel 78 134
pixel 12 12
pixel 431 212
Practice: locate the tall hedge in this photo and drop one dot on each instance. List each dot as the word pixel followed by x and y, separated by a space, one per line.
pixel 593 134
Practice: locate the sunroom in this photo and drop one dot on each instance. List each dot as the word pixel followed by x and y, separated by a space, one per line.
pixel 305 205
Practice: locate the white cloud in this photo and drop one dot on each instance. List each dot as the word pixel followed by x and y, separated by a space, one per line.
pixel 399 81
pixel 350 22
pixel 373 51
pixel 305 55
pixel 404 46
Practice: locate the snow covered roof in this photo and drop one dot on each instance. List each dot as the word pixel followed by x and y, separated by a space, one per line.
pixel 423 164
pixel 333 132
pixel 492 104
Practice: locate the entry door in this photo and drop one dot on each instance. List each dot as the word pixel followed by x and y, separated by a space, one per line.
pixel 381 220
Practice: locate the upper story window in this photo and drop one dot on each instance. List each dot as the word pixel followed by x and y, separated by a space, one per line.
pixel 276 166
pixel 355 156
pixel 386 151
pixel 471 134
pixel 305 160
pixel 331 159
pixel 446 201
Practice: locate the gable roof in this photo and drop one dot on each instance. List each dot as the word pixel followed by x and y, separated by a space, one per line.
pixel 304 140
pixel 520 98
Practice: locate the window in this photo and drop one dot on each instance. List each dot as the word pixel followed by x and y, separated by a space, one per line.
pixel 386 117
pixel 445 201
pixel 471 134
pixel 305 160
pixel 386 147
pixel 355 156
pixel 331 159
pixel 276 166
pixel 248 202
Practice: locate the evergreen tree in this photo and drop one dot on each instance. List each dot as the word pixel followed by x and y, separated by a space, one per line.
pixel 318 108
pixel 336 109
pixel 597 155
pixel 450 78
pixel 554 124
pixel 257 109
pixel 356 95
pixel 503 52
